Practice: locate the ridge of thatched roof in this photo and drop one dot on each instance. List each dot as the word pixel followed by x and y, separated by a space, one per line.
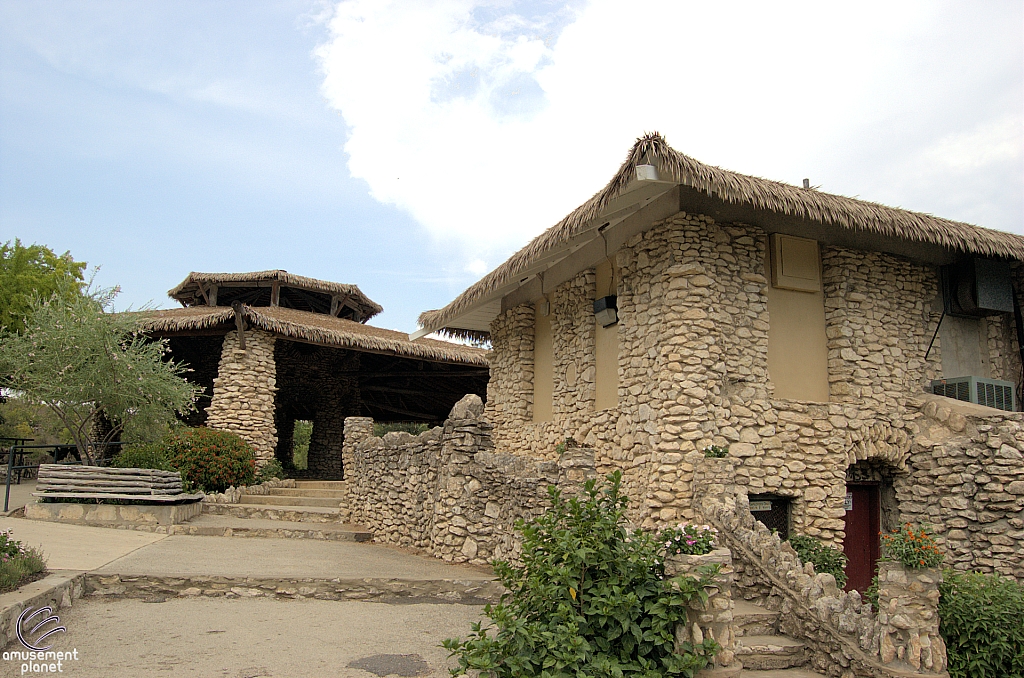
pixel 731 187
pixel 315 328
pixel 187 288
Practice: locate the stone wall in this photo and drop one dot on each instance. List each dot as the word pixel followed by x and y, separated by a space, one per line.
pixel 445 491
pixel 243 392
pixel 693 335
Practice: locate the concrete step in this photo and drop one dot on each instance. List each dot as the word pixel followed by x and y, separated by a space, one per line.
pixel 211 525
pixel 770 652
pixel 307 492
pixel 275 500
pixel 753 620
pixel 781 673
pixel 295 514
pixel 321 484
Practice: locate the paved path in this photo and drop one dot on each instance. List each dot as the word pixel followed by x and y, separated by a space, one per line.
pixel 253 557
pixel 76 547
pixel 255 638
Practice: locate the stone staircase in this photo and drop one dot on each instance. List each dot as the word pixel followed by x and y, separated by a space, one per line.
pixel 765 653
pixel 313 509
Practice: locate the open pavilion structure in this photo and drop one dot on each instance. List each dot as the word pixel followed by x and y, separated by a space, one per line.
pixel 270 348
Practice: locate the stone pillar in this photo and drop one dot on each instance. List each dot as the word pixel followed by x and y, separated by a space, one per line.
pixel 357 429
pixel 714 479
pixel 713 619
pixel 244 390
pixel 908 618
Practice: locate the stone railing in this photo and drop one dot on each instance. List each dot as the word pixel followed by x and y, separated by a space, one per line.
pixel 233 494
pixel 445 491
pixel 844 634
pixel 713 619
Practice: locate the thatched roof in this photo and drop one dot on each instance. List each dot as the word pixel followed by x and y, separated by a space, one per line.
pixel 189 291
pixel 314 328
pixel 833 211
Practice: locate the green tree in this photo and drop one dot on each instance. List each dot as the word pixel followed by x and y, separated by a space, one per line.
pixel 33 271
pixel 89 365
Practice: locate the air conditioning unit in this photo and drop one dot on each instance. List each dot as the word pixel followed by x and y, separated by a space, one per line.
pixel 988 392
pixel 977 287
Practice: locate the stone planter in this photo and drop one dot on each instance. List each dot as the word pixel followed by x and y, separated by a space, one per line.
pixel 714 619
pixel 908 618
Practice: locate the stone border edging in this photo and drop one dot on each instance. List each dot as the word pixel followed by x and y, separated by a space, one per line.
pixel 57 589
pixel 459 591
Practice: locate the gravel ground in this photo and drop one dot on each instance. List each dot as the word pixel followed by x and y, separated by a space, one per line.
pixel 255 638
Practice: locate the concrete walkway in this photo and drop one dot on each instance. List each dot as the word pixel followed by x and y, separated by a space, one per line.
pixel 75 547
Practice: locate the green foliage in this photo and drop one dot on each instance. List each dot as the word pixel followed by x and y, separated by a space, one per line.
pixel 590 599
pixel 566 444
pixel 24 419
pixel 147 455
pixel 270 470
pixel 912 549
pixel 379 430
pixel 825 558
pixel 871 595
pixel 17 562
pixel 981 622
pixel 33 272
pixel 211 460
pixel 300 443
pixel 716 451
pixel 86 364
pixel 693 540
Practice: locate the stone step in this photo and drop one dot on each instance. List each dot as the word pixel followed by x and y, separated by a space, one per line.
pixel 307 492
pixel 294 514
pixel 321 484
pixel 754 620
pixel 780 673
pixel 211 525
pixel 770 652
pixel 274 500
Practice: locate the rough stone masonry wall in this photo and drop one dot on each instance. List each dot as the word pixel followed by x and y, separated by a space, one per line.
pixel 445 491
pixel 693 336
pixel 243 392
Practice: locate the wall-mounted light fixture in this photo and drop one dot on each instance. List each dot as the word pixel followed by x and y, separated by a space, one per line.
pixel 646 173
pixel 605 310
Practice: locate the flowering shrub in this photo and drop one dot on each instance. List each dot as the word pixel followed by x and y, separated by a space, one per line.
pixel 17 562
pixel 825 558
pixel 912 549
pixel 691 540
pixel 211 460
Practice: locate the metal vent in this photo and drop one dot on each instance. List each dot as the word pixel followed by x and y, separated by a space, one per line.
pixel 988 392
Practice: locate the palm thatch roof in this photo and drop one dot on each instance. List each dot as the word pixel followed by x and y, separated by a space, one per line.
pixel 313 328
pixel 194 288
pixel 829 210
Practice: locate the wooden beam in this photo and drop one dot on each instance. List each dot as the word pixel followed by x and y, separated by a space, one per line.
pixel 473 373
pixel 213 295
pixel 338 303
pixel 396 410
pixel 275 294
pixel 206 297
pixel 239 323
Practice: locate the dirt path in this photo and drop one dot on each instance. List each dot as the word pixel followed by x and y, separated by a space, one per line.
pixel 255 638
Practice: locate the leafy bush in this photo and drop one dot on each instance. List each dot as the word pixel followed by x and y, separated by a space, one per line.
pixel 211 460
pixel 300 443
pixel 150 455
pixel 590 599
pixel 379 430
pixel 825 558
pixel 980 621
pixel 694 540
pixel 912 549
pixel 716 451
pixel 270 470
pixel 17 562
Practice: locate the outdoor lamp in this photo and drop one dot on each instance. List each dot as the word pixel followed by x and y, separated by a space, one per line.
pixel 605 310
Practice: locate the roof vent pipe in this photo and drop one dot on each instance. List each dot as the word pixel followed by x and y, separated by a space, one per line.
pixel 807 183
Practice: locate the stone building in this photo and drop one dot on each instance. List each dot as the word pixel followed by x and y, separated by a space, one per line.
pixel 685 306
pixel 269 348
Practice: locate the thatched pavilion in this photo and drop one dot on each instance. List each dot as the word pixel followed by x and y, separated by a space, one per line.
pixel 270 348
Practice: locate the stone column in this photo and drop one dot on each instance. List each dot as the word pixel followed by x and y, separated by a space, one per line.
pixel 357 429
pixel 244 390
pixel 714 479
pixel 908 618
pixel 713 619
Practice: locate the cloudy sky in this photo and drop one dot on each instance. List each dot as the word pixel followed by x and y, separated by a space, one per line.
pixel 409 147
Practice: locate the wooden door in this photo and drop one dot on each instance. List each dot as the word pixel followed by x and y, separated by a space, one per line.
pixel 863 542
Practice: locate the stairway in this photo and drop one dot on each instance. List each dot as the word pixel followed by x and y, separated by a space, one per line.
pixel 765 653
pixel 313 509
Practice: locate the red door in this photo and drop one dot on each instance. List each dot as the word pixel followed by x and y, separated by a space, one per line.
pixel 862 542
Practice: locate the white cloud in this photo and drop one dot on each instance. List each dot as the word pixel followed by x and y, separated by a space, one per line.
pixel 489 122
